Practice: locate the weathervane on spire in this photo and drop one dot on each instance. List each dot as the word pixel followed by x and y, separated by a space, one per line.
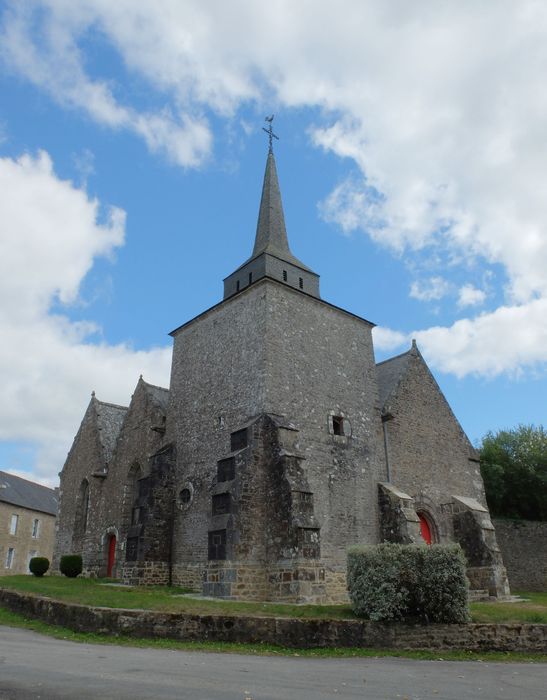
pixel 270 132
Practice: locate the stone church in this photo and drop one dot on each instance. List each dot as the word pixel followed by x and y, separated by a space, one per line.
pixel 279 443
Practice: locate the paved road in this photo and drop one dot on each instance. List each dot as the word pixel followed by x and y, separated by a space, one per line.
pixel 40 668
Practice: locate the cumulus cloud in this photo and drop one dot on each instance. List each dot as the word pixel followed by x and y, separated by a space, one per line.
pixel 432 289
pixel 53 61
pixel 48 364
pixel 440 106
pixel 388 339
pixel 469 295
pixel 485 345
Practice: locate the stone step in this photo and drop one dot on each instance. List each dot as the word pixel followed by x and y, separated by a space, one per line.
pixel 478 594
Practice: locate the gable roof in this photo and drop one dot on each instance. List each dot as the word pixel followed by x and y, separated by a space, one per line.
pixel 109 422
pixel 27 494
pixel 389 374
pixel 158 394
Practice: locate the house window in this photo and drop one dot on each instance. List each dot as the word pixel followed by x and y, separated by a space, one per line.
pixel 301 283
pixel 338 425
pixel 35 528
pixel 31 555
pixel 284 275
pixel 250 277
pixel 9 558
pixel 237 286
pixel 13 524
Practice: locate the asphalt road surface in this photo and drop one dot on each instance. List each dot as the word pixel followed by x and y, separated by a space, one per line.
pixel 41 668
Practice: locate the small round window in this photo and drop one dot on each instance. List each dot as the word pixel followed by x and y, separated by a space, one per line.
pixel 186 494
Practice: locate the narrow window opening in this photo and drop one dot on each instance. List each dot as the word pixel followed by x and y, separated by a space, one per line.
pixel 238 440
pixel 222 504
pixel 35 528
pixel 250 277
pixel 226 469
pixel 217 544
pixel 136 516
pixel 9 557
pixel 301 283
pixel 284 275
pixel 237 286
pixel 13 524
pixel 338 425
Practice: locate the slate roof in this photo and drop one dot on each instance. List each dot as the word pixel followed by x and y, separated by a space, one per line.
pixel 158 394
pixel 109 421
pixel 389 374
pixel 271 233
pixel 27 494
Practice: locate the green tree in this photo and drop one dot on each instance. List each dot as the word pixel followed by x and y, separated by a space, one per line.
pixel 514 469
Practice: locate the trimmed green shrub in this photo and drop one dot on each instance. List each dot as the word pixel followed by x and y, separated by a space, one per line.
pixel 71 565
pixel 397 582
pixel 38 565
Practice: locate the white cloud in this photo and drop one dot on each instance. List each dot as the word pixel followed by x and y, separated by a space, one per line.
pixel 432 289
pixel 54 63
pixel 48 364
pixel 441 106
pixel 469 295
pixel 387 339
pixel 505 341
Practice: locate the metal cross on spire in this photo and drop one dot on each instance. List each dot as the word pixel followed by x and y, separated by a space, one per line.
pixel 270 132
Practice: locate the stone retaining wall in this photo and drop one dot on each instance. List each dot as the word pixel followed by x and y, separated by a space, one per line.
pixel 523 545
pixel 296 633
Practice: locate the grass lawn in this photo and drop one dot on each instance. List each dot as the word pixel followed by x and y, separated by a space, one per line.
pixel 91 592
pixel 533 609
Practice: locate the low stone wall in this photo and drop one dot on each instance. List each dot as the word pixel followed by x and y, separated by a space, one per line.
pixel 523 545
pixel 296 633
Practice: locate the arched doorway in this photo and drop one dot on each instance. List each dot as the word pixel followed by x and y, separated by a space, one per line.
pixel 425 528
pixel 111 553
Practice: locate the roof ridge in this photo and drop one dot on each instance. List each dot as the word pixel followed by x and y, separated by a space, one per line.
pixel 395 357
pixel 112 405
pixel 22 478
pixel 155 386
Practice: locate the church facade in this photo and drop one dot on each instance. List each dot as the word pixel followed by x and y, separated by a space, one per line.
pixel 279 443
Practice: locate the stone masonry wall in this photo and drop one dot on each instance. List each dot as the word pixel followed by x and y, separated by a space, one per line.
pixel 429 453
pixel 320 365
pixel 287 632
pixel 523 544
pixel 111 478
pixel 86 457
pixel 272 349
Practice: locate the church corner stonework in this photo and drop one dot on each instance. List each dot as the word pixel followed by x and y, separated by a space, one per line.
pixel 279 444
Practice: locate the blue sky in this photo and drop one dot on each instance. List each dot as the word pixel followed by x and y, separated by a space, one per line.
pixel 412 166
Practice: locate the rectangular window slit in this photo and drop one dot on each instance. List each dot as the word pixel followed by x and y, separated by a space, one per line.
pixel 338 425
pixel 301 283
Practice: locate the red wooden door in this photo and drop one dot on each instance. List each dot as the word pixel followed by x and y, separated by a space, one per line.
pixel 111 555
pixel 425 529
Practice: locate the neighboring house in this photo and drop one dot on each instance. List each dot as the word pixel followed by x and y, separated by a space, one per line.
pixel 27 522
pixel 279 443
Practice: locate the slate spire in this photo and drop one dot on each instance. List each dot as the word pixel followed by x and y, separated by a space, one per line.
pixel 271 234
pixel 271 255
